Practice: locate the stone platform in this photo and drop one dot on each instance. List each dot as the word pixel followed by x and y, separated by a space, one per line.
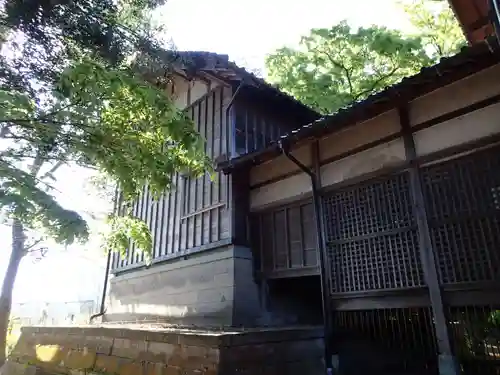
pixel 162 351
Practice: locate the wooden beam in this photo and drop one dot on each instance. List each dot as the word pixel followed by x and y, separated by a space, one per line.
pixel 425 242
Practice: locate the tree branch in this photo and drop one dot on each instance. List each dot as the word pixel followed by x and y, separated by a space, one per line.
pixel 50 114
pixel 34 177
pixel 50 173
pixel 341 66
pixel 27 122
pixel 375 84
pixel 28 248
pixel 20 155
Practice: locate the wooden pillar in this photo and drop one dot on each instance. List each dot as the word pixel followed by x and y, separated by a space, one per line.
pixel 264 288
pixel 447 362
pixel 332 363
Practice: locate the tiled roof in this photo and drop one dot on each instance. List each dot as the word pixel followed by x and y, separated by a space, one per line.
pixel 468 61
pixel 220 66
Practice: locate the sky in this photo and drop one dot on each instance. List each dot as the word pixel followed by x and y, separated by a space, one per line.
pixel 246 31
pixel 64 274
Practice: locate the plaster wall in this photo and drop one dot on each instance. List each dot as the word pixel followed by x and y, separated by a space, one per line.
pixel 361 150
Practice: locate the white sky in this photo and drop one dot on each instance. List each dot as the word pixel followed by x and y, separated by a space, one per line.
pixel 246 32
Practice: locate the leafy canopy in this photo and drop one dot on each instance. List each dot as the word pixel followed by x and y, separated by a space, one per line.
pixel 84 82
pixel 435 23
pixel 332 68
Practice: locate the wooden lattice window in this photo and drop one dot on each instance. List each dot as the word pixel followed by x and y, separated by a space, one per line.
pixel 462 201
pixel 286 237
pixel 371 236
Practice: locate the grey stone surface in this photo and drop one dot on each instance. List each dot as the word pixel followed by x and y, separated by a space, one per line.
pixel 212 288
pixel 246 303
pixel 293 351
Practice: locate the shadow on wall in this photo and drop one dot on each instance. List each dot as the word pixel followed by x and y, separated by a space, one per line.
pixel 212 289
pixel 170 297
pixel 53 313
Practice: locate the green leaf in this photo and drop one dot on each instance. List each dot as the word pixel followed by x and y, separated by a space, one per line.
pixel 335 67
pixel 81 88
pixel 127 230
pixel 332 68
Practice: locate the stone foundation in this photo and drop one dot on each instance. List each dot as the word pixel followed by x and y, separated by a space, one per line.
pixel 128 351
pixel 210 289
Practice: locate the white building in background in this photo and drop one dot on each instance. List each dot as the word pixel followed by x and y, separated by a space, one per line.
pixel 54 313
pixel 60 289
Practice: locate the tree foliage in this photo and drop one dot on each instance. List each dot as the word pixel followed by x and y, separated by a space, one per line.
pixel 74 90
pixel 332 68
pixel 435 23
pixel 84 82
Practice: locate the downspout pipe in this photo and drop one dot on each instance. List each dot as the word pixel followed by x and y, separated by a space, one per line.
pixel 102 308
pixel 231 101
pixel 321 255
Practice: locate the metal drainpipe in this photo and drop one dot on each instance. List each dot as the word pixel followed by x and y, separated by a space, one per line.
pixel 322 257
pixel 495 15
pixel 234 97
pixel 102 309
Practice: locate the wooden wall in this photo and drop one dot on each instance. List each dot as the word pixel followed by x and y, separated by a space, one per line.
pixel 463 112
pixel 458 118
pixel 288 234
pixel 195 214
pixel 260 120
pixel 200 214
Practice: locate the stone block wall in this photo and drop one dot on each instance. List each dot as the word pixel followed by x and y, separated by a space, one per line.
pixel 297 351
pixel 212 288
pixel 120 351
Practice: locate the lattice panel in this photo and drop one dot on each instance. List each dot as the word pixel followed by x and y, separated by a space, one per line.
pixel 387 341
pixel 382 262
pixel 475 336
pixel 370 208
pixel 372 237
pixel 463 204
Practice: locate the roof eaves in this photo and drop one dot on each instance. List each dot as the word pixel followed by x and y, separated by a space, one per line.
pixel 260 82
pixel 215 64
pixel 380 102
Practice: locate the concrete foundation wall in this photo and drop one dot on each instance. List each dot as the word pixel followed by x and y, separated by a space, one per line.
pixel 156 351
pixel 213 288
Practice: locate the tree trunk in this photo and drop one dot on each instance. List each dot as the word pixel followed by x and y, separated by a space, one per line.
pixel 8 284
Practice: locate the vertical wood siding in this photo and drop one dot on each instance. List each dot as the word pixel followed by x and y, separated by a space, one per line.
pixel 256 126
pixel 257 121
pixel 253 130
pixel 196 212
pixel 284 238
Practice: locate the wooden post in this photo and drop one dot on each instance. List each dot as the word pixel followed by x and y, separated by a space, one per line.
pixel 447 362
